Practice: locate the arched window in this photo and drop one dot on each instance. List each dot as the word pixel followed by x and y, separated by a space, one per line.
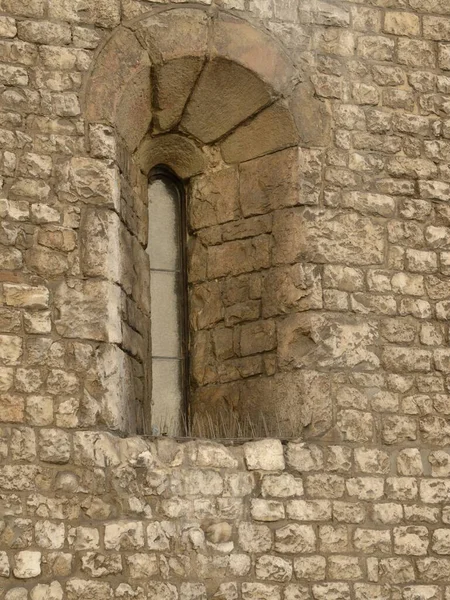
pixel 168 300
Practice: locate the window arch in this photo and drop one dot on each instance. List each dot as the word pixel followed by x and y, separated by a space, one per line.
pixel 169 332
pixel 230 124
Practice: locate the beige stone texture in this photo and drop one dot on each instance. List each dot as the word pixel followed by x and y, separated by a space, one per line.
pixel 173 84
pixel 209 116
pixel 89 309
pixel 322 236
pixel 251 141
pixel 312 140
pixel 177 152
pixel 120 59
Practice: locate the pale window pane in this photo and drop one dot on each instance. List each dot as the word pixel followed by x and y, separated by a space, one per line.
pixel 163 238
pixel 167 401
pixel 165 314
pixel 166 303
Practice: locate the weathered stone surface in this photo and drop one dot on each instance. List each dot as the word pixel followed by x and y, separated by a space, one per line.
pixel 89 309
pixel 324 236
pixel 175 151
pixel 266 455
pixel 173 83
pixel 224 96
pixel 250 140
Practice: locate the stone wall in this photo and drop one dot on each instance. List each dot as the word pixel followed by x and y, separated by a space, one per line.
pixel 319 289
pixel 88 516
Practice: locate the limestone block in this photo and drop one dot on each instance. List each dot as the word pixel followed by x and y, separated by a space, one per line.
pixel 372 460
pixel 10 350
pixel 126 535
pixel 134 111
pixel 295 591
pixel 54 446
pixel 99 244
pixel 402 23
pixel 47 263
pixel 39 410
pixel 292 288
pixel 11 407
pixel 348 512
pixel 372 540
pixel 209 454
pixel 92 181
pixel 237 257
pixel 311 568
pixel 95 449
pixel 26 296
pixel 27 564
pixel 224 96
pixel 89 309
pixel 355 425
pixel 283 485
pixel 345 567
pixel 388 513
pixel 250 140
pixel 311 115
pixel 273 568
pixel 267 510
pixel 175 151
pixel 159 535
pixel 409 462
pixel 326 236
pixel 142 566
pixel 365 488
pixel 8 27
pixel 102 141
pixel 254 538
pixel 82 589
pixel 266 455
pixel 119 60
pixel 174 34
pixel 295 539
pixel 214 199
pixel 237 41
pixel 260 591
pixel 411 540
pixel 173 83
pixel 49 535
pixel 51 591
pixel 397 429
pixel 309 510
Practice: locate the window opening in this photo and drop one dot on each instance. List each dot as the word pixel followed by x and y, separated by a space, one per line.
pixel 169 329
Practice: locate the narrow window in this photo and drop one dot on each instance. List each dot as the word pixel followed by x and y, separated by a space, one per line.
pixel 168 302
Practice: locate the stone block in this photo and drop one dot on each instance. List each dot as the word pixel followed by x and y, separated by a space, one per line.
pixel 10 350
pixel 214 199
pixel 174 34
pixel 402 23
pixel 311 568
pixel 89 309
pixel 120 59
pixel 254 538
pixel 325 236
pixel 250 140
pixel 92 181
pixel 295 539
pixel 173 84
pixel 26 296
pixel 126 535
pixel 225 95
pixel 266 455
pixel 133 113
pixel 311 115
pixel 27 564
